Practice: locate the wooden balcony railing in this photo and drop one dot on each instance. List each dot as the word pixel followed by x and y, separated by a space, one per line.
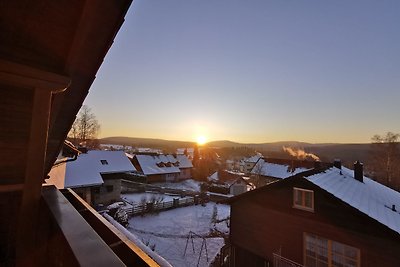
pixel 76 235
pixel 280 261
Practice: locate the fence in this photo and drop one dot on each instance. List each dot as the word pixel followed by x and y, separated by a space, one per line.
pixel 129 186
pixel 159 206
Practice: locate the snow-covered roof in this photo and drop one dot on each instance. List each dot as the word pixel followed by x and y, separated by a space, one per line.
pixel 252 159
pixel 184 162
pixel 213 177
pixel 279 171
pixel 130 156
pixel 87 169
pixel 113 146
pixel 182 150
pixel 369 197
pixel 158 164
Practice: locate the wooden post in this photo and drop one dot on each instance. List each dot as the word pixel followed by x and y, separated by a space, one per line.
pixel 27 223
pixel 44 84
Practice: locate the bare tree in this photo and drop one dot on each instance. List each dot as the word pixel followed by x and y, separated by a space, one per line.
pixel 385 158
pixel 256 174
pixel 85 127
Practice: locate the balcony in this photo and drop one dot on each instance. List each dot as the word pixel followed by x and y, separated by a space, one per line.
pixel 76 235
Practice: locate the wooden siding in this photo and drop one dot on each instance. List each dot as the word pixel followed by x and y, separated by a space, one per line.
pixel 156 178
pixel 15 120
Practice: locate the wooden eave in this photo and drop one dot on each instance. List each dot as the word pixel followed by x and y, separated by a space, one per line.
pixel 69 38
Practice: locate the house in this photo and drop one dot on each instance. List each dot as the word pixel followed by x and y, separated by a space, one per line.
pixel 188 151
pixel 185 166
pixel 250 162
pixel 330 216
pixel 229 182
pixel 267 170
pixel 95 175
pixel 240 186
pixel 163 168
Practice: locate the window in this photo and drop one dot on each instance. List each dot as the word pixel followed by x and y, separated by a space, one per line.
pixel 104 162
pixel 322 252
pixel 303 199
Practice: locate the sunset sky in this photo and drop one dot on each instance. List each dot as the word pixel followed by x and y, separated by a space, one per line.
pixel 252 71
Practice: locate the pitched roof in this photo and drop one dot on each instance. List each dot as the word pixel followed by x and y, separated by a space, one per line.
pixel 87 169
pixel 158 164
pixel 253 159
pixel 213 177
pixel 184 162
pixel 277 170
pixel 369 197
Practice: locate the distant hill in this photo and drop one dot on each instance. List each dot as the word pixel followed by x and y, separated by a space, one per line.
pixel 348 153
pixel 145 142
pixel 261 146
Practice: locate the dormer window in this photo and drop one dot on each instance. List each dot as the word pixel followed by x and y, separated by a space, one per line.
pixel 303 199
pixel 104 162
pixel 160 164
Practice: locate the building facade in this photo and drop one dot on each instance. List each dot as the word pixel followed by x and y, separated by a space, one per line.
pixel 318 218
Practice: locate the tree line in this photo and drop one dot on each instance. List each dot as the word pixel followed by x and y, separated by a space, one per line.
pixel 384 165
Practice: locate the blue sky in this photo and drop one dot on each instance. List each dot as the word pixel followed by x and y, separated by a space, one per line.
pixel 252 71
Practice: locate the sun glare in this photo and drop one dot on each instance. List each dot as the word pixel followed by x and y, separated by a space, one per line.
pixel 201 140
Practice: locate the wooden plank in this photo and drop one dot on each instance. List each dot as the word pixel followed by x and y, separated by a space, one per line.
pixel 28 77
pixel 11 187
pixel 26 235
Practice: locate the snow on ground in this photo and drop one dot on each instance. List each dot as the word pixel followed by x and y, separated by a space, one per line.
pixel 185 185
pixel 137 198
pixel 169 230
pixel 157 258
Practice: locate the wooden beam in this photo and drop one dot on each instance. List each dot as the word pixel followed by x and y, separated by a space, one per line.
pixel 11 187
pixel 28 77
pixel 44 84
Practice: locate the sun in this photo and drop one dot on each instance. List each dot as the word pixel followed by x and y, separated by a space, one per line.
pixel 201 140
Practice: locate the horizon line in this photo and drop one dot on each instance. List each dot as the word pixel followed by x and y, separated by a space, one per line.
pixel 243 143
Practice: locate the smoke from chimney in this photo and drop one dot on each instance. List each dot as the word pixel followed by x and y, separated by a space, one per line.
pixel 300 153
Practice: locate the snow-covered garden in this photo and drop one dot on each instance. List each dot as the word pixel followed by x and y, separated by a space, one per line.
pixel 184 236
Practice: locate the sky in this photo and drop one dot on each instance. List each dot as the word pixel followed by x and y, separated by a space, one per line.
pixel 252 71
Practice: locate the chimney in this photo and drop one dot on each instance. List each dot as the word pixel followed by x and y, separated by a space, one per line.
pixel 337 163
pixel 358 171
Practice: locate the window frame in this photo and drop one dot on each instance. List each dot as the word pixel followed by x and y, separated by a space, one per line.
pixel 330 250
pixel 303 205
